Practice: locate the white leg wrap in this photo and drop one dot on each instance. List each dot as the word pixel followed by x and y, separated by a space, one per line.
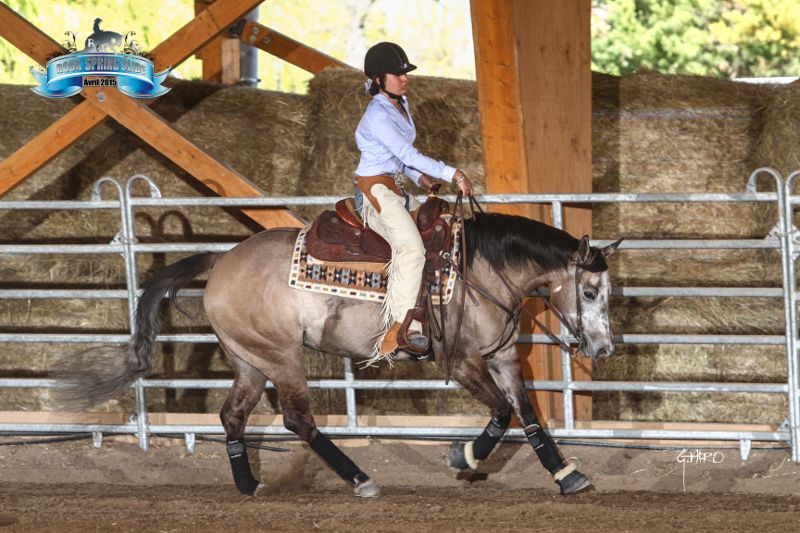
pixel 564 472
pixel 469 455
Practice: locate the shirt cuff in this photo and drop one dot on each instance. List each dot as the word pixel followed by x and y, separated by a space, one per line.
pixel 448 174
pixel 413 174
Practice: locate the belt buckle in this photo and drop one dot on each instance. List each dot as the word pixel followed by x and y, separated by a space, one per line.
pixel 399 178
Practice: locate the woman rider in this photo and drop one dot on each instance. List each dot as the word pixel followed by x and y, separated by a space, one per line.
pixel 385 137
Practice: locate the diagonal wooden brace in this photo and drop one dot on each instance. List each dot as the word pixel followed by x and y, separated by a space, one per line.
pixel 286 48
pixel 133 115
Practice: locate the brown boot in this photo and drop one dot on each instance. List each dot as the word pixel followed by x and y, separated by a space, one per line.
pixel 389 344
pixel 397 339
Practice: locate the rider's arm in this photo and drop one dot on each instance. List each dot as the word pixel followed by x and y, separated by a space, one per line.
pixel 393 139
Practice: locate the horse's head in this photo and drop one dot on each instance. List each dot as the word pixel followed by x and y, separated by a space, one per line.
pixel 581 293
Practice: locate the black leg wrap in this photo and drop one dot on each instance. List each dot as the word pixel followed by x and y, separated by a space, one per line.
pixel 491 435
pixel 545 448
pixel 337 460
pixel 242 476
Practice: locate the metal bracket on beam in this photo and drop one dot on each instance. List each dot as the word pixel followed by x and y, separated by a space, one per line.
pixel 97 439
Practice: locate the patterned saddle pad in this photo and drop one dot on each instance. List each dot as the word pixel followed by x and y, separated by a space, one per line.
pixel 362 281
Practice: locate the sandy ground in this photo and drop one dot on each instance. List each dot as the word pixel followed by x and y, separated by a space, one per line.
pixel 74 487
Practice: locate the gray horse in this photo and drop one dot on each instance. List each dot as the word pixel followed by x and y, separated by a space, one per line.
pixel 262 325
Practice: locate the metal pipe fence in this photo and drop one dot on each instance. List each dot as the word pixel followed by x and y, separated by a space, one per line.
pixel 783 239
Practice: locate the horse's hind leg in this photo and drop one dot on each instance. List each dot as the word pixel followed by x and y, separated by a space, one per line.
pixel 248 386
pixel 293 394
pixel 473 375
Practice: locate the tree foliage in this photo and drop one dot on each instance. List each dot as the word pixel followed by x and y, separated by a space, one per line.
pixel 731 38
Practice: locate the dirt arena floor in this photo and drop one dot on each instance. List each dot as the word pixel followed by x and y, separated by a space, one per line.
pixel 72 486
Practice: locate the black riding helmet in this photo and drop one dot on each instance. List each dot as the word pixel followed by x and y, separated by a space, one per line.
pixel 386 58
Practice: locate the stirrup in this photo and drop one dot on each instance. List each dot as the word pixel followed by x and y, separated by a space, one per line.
pixel 421 350
pixel 406 340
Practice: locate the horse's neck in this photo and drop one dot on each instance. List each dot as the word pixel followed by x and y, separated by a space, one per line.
pixel 509 285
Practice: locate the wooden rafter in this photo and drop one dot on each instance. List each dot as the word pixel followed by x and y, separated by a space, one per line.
pixel 132 114
pixel 288 49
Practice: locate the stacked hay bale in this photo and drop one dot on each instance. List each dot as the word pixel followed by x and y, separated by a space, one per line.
pixel 286 144
pixel 445 112
pixel 655 133
pixel 651 133
pixel 262 135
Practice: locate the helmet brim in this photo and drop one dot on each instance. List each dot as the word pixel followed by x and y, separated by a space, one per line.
pixel 406 70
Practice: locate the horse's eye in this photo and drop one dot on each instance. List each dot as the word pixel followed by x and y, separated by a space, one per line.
pixel 589 295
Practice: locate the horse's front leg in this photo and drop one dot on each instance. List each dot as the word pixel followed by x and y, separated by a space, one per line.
pixel 474 376
pixel 506 370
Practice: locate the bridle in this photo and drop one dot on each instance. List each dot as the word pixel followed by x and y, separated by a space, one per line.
pixel 514 314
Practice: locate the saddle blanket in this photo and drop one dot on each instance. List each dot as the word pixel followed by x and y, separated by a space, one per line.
pixel 361 281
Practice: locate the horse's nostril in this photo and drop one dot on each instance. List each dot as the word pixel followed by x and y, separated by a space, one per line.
pixel 602 352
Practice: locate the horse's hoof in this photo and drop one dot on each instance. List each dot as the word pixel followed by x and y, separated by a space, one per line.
pixel 574 483
pixel 367 489
pixel 249 487
pixel 457 457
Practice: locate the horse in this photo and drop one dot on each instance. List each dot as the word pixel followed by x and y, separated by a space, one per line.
pixel 262 325
pixel 102 40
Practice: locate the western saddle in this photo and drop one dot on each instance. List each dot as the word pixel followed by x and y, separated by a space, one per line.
pixel 341 236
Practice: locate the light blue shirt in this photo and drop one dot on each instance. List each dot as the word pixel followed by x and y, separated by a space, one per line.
pixel 386 140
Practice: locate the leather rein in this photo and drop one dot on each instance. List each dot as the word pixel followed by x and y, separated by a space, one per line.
pixel 512 314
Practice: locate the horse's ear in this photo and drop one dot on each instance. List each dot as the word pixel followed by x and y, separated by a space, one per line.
pixel 609 249
pixel 584 253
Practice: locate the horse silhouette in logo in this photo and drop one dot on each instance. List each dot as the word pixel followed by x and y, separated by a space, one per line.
pixel 101 40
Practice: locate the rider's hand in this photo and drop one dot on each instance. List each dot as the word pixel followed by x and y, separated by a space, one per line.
pixel 463 183
pixel 426 182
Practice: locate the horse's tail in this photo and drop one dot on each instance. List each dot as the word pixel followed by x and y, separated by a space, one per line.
pixel 98 374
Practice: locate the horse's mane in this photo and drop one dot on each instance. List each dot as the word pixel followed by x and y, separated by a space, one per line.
pixel 514 241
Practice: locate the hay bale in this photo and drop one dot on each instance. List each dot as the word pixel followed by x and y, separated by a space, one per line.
pixel 777 138
pixel 651 133
pixel 273 139
pixel 231 123
pixel 445 112
pixel 655 133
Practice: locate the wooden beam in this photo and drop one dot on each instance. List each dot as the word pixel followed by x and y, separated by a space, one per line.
pixel 532 67
pixel 133 114
pixel 499 105
pixel 221 57
pixel 152 129
pixel 27 37
pixel 554 54
pixel 48 144
pixel 199 31
pixel 288 49
pixel 504 160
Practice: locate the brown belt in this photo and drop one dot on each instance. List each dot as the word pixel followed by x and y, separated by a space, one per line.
pixel 365 183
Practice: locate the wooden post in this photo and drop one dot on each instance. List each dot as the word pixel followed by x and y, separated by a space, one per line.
pixel 534 88
pixel 220 57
